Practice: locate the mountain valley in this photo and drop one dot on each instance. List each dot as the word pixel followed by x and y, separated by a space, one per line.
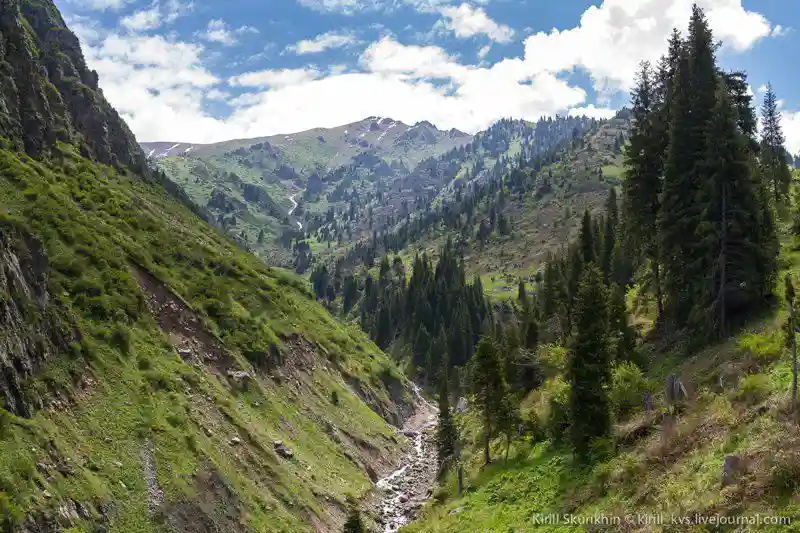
pixel 560 324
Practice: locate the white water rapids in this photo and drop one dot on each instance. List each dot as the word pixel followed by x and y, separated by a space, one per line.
pixel 405 490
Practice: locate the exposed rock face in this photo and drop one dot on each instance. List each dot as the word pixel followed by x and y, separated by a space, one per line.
pixel 47 93
pixel 30 330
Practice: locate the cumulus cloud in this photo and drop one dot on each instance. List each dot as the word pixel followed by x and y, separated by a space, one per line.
pixel 791 128
pixel 146 19
pixel 162 86
pixel 274 78
pixel 592 111
pixel 348 7
pixel 218 31
pixel 614 37
pixel 466 21
pixel 323 42
pixel 101 5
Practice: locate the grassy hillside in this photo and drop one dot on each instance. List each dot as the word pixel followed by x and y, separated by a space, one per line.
pixel 246 184
pixel 542 217
pixel 170 364
pixel 738 411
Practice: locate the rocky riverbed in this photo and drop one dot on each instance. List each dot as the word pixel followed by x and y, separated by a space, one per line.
pixel 404 491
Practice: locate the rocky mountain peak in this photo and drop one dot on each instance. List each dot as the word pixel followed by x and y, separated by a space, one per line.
pixel 48 94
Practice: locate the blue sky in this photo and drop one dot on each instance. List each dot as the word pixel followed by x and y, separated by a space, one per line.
pixel 205 71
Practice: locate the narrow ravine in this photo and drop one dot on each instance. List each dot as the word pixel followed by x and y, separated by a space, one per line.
pixel 404 491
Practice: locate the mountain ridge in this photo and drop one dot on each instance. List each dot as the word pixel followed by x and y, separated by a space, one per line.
pixel 383 124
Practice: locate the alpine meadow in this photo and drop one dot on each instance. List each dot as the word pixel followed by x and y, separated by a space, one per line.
pixel 420 266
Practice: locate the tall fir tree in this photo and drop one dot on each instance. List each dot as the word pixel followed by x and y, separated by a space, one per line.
pixel 730 233
pixel 643 173
pixel 488 387
pixel 693 100
pixel 446 431
pixel 678 216
pixel 774 163
pixel 610 233
pixel 587 239
pixel 589 366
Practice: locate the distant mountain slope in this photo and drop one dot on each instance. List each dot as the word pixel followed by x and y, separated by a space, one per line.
pixel 324 148
pixel 519 190
pixel 246 185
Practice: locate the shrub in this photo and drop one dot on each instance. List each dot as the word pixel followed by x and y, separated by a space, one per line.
pixel 121 338
pixel 762 350
pixel 753 389
pixel 11 516
pixel 553 409
pixel 785 474
pixel 628 388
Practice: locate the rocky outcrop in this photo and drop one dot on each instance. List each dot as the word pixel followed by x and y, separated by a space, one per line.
pixel 30 332
pixel 47 93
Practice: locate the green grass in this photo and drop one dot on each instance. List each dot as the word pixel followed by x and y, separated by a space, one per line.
pixel 123 385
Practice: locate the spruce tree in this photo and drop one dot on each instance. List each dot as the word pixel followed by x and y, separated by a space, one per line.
pixel 678 216
pixel 730 234
pixel 508 419
pixel 488 387
pixel 522 296
pixel 609 233
pixel 531 334
pixel 773 154
pixel 446 432
pixel 587 239
pixel 421 346
pixel 643 172
pixel 589 366
pixel 437 356
pixel 685 260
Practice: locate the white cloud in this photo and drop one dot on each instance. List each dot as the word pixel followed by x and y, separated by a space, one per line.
pixel 387 56
pixel 351 7
pixel 791 129
pixel 147 19
pixel 483 52
pixel 347 7
pixel 613 38
pixel 592 112
pixel 101 5
pixel 467 21
pixel 218 31
pixel 780 31
pixel 323 42
pixel 156 15
pixel 274 78
pixel 162 86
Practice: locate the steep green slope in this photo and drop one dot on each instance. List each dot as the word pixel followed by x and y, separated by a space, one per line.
pixel 153 375
pixel 167 363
